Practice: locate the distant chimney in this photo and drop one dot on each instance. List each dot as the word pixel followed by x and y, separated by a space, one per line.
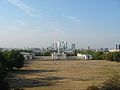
pixel 116 47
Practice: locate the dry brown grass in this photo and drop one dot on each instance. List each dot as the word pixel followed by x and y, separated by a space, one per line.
pixel 63 75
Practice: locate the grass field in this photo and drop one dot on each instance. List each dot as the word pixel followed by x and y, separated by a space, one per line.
pixel 63 75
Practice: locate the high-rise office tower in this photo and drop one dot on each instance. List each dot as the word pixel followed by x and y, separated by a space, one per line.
pixel 116 47
pixel 73 46
pixel 54 45
pixel 58 44
pixel 119 46
pixel 66 45
pixel 88 47
pixel 62 45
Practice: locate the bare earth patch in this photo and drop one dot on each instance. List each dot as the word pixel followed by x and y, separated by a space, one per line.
pixel 62 75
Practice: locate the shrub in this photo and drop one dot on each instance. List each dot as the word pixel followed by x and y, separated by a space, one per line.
pixel 112 56
pixel 112 84
pixel 93 88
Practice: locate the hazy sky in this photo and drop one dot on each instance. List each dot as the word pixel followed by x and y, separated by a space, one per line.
pixel 39 23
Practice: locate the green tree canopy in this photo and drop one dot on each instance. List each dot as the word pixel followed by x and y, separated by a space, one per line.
pixel 112 56
pixel 97 55
pixel 14 59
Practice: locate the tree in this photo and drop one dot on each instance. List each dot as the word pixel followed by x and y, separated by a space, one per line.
pixel 14 59
pixel 9 59
pixel 97 55
pixel 2 60
pixel 112 56
pixel 76 51
pixel 108 56
pixel 47 53
pixel 87 52
pixel 3 84
pixel 116 56
pixel 2 66
pixel 3 73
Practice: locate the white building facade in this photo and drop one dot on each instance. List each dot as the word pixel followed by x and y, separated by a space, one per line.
pixel 84 56
pixel 62 45
pixel 114 50
pixel 28 56
pixel 58 56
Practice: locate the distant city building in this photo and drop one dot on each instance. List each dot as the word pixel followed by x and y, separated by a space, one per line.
pixel 58 55
pixel 114 50
pixel 59 44
pixel 49 48
pixel 69 51
pixel 66 46
pixel 88 47
pixel 104 49
pixel 84 56
pixel 117 48
pixel 62 45
pixel 73 46
pixel 54 45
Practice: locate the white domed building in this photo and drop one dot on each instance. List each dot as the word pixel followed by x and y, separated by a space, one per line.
pixel 58 56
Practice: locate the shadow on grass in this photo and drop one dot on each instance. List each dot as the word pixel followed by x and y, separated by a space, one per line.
pixel 22 82
pixel 22 71
pixel 33 82
pixel 52 78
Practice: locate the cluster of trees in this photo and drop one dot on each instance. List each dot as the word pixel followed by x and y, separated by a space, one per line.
pixel 113 56
pixel 24 50
pixel 100 55
pixel 45 53
pixel 8 61
pixel 97 55
pixel 11 59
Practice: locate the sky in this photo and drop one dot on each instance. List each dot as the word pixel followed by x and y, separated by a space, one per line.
pixel 39 23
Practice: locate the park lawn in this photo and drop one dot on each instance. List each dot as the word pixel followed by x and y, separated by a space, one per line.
pixel 63 75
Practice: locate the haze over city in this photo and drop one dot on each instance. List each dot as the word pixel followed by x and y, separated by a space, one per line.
pixel 39 23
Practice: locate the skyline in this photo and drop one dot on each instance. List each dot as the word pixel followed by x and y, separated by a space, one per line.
pixel 39 23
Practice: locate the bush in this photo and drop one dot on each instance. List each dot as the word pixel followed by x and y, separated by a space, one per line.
pixel 93 88
pixel 97 55
pixel 112 84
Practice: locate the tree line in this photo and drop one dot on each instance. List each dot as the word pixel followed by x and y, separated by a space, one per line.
pixel 97 55
pixel 100 55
